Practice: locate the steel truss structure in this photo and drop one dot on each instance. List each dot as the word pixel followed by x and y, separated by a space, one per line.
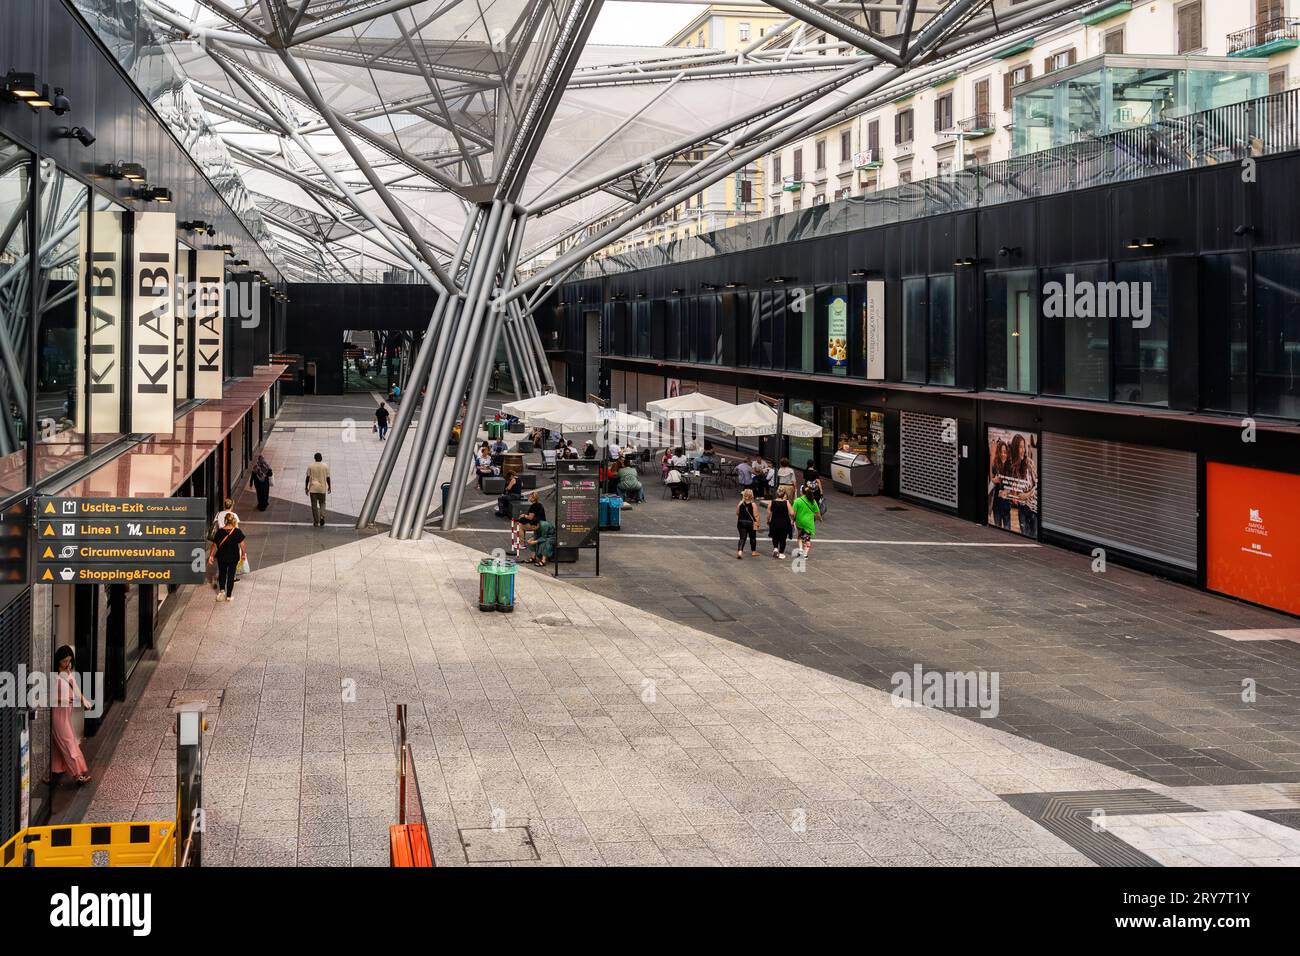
pixel 462 141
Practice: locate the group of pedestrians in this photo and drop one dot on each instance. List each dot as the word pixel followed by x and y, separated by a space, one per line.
pixel 789 515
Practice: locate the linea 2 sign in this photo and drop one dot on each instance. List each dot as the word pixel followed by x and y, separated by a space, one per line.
pixel 153 325
pixel 209 322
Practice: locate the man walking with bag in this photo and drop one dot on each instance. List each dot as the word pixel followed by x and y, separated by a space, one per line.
pixel 318 486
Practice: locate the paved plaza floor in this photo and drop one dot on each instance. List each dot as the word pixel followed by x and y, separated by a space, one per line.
pixel 689 708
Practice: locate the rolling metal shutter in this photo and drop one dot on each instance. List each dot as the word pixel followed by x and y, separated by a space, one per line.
pixel 15 637
pixel 726 393
pixel 927 463
pixel 1132 497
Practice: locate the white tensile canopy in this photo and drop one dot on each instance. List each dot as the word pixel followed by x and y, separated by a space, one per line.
pixel 529 409
pixel 625 423
pixel 585 417
pixel 756 418
pixel 687 406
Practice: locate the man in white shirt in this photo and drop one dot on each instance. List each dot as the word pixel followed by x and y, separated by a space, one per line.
pixel 317 487
pixel 615 453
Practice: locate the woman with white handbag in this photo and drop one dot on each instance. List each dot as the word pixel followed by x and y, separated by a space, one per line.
pixel 229 554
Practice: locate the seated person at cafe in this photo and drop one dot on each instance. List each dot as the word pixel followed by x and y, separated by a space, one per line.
pixel 589 450
pixel 483 464
pixel 535 513
pixel 543 543
pixel 744 475
pixel 677 485
pixel 628 483
pixel 679 459
pixel 514 492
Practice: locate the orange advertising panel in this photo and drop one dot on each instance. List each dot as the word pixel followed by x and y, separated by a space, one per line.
pixel 1252 532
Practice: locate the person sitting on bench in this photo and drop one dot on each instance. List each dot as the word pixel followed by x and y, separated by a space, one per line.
pixel 514 492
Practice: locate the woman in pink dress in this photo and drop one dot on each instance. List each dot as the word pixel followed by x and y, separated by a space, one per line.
pixel 67 757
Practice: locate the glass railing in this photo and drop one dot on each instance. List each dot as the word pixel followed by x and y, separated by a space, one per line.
pixel 1254 128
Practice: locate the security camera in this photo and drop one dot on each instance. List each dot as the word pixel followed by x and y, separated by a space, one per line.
pixel 82 135
pixel 59 104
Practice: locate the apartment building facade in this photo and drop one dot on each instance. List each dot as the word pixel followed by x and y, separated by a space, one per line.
pixel 961 113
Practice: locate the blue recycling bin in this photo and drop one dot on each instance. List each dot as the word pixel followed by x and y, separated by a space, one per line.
pixel 611 512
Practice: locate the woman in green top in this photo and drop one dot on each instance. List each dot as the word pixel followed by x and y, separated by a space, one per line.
pixel 806 513
pixel 629 484
pixel 543 543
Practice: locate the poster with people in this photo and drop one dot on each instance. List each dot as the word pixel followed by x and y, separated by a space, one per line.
pixel 1013 481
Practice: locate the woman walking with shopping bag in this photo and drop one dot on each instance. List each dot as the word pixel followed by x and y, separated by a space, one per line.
pixel 229 554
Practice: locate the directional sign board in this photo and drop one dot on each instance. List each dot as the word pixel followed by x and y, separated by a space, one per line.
pixel 121 540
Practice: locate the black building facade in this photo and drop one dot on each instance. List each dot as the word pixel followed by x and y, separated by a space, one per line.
pixel 1124 419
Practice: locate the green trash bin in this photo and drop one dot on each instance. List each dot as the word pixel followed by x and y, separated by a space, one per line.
pixel 487 585
pixel 496 584
pixel 495 428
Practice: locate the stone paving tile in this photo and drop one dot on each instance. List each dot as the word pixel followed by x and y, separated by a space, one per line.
pixel 768 740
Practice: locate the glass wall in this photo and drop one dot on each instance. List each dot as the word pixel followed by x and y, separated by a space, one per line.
pixel 1277 333
pixel 1011 331
pixel 1225 324
pixel 929 330
pixel 15 187
pixel 914 326
pixel 1076 348
pixel 60 415
pixel 942 365
pixel 1141 331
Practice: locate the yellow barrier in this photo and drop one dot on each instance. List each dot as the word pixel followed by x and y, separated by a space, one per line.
pixel 146 843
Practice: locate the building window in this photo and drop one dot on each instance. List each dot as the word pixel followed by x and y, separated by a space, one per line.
pixel 1277 333
pixel 1113 42
pixel 904 176
pixel 943 112
pixel 914 330
pixel 903 126
pixel 1011 331
pixel 929 332
pixel 1076 348
pixel 1059 61
pixel 873 136
pixel 743 29
pixel 1277 81
pixel 983 105
pixel 701 38
pixel 798 164
pixel 1141 350
pixel 1013 78
pixel 819 152
pixel 776 170
pixel 1189 27
pixel 1225 323
pixel 846 145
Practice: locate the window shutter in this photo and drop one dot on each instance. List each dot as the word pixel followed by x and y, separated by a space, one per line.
pixel 1006 90
pixel 1073 57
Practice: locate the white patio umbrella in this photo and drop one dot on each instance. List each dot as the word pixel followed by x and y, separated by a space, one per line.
pixel 585 418
pixel 625 423
pixel 686 406
pixel 757 418
pixel 528 409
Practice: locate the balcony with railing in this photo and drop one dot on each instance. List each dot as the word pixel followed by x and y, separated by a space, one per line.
pixel 981 124
pixel 1227 134
pixel 1265 39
